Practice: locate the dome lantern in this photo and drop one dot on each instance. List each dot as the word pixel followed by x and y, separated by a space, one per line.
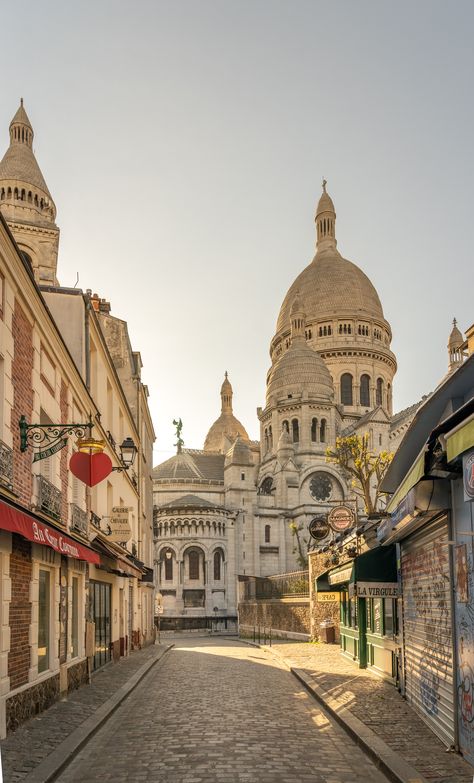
pixel 455 347
pixel 325 222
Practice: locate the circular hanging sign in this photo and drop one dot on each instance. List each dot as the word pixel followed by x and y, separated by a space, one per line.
pixel 341 518
pixel 318 528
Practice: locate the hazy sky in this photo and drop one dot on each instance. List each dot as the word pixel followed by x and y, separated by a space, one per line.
pixel 184 143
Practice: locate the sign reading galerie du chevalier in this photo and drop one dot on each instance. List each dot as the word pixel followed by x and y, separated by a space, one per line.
pixel 50 451
pixel 374 589
pixel 119 524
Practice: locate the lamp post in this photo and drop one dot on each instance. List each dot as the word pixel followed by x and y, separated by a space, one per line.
pixel 128 452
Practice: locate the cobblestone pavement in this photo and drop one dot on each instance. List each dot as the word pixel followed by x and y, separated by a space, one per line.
pixel 379 705
pixel 23 750
pixel 219 711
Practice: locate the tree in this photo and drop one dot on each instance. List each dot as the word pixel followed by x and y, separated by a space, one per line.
pixel 301 544
pixel 366 468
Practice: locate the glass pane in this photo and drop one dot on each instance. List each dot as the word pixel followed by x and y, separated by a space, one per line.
pixel 378 615
pixel 43 621
pixel 75 617
pixel 388 616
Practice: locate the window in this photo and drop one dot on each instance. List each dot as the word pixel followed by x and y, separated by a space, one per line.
pixel 379 392
pixel 267 534
pixel 44 611
pixel 389 617
pixel 270 437
pixel 322 431
pixel 365 390
pixel 217 566
pixel 266 486
pixel 346 388
pixel 314 430
pixel 295 428
pixel 168 568
pixel 285 426
pixel 193 558
pixel 320 486
pixel 75 617
pixel 242 476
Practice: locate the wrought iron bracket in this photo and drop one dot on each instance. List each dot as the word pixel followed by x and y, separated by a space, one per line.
pixel 49 438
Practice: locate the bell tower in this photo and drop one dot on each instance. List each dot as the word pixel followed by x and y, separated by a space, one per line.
pixel 27 204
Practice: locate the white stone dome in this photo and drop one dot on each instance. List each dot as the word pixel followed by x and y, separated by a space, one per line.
pixel 300 370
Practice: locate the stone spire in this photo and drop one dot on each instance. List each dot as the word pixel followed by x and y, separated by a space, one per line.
pixel 226 395
pixel 455 347
pixel 297 318
pixel 325 222
pixel 26 202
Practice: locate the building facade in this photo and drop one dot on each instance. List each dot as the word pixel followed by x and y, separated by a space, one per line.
pixel 73 596
pixel 331 375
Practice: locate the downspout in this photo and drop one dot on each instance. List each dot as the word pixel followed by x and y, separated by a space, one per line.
pixel 87 346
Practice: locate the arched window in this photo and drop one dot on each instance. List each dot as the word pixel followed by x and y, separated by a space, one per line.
pixel 193 559
pixel 267 534
pixel 266 486
pixel 379 392
pixel 270 436
pixel 168 568
pixel 346 388
pixel 322 431
pixel 314 430
pixel 365 390
pixel 217 566
pixel 266 440
pixel 295 429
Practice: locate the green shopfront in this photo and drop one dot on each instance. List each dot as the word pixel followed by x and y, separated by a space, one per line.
pixel 368 589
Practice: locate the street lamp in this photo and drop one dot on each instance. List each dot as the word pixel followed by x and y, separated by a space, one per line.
pixel 128 452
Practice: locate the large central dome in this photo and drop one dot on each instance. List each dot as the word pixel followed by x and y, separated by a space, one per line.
pixel 332 287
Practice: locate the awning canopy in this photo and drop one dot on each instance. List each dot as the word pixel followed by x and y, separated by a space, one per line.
pixel 114 561
pixel 460 439
pixel 376 565
pixel 15 521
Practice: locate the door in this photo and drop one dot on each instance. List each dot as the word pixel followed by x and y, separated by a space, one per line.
pixel 101 607
pixel 427 627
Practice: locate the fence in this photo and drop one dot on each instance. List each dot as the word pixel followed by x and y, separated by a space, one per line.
pixel 291 585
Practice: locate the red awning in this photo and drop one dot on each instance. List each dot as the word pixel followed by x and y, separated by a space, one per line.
pixel 16 521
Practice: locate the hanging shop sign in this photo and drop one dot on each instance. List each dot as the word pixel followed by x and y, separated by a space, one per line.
pixel 341 518
pixel 374 589
pixel 91 469
pixel 318 528
pixel 327 598
pixel 119 524
pixel 341 575
pixel 49 451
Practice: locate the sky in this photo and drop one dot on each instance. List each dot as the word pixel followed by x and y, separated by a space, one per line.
pixel 184 143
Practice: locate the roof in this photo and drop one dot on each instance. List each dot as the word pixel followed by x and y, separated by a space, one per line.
pixel 369 416
pixel 19 163
pixel 397 418
pixel 189 500
pixel 191 465
pixel 300 368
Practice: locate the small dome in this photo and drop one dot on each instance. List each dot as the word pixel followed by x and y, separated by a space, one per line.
pixel 227 427
pixel 325 204
pixel 299 369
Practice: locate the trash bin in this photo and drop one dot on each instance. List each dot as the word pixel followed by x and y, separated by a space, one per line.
pixel 327 632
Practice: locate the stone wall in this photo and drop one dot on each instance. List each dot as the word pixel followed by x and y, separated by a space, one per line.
pixel 77 675
pixel 321 611
pixel 281 615
pixel 29 702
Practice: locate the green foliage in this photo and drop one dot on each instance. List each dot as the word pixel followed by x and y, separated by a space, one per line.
pixel 363 466
pixel 301 544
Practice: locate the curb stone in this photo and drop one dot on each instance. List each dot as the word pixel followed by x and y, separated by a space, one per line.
pixel 392 765
pixel 49 769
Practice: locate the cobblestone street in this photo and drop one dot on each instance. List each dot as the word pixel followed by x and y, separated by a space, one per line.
pixel 218 711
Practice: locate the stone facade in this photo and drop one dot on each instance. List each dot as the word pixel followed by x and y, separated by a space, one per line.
pixel 291 616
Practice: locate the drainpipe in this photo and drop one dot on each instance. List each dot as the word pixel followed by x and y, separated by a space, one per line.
pixel 87 300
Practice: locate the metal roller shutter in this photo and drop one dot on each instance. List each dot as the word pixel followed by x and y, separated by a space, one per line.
pixel 427 628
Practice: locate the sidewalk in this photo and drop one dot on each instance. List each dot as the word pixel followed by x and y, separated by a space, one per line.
pixel 41 746
pixel 373 711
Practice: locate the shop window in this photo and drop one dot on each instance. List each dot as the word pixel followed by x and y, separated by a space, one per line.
pixel 75 617
pixel 353 616
pixel 365 390
pixel 346 388
pixel 377 616
pixel 44 612
pixel 389 617
pixel 369 615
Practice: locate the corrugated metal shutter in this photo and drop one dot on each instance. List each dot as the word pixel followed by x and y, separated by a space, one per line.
pixel 427 628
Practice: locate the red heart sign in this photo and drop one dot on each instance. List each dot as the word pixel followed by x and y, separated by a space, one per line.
pixel 90 468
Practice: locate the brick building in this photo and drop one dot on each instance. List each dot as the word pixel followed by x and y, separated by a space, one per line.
pixel 73 594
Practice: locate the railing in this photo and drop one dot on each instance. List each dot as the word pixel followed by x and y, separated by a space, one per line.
pixel 95 520
pixel 6 465
pixel 49 498
pixel 291 585
pixel 78 519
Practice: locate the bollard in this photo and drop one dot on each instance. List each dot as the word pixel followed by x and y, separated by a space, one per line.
pixel 270 636
pixel 259 634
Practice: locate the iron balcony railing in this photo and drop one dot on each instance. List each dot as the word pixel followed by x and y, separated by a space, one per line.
pixel 6 465
pixel 291 585
pixel 78 519
pixel 49 498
